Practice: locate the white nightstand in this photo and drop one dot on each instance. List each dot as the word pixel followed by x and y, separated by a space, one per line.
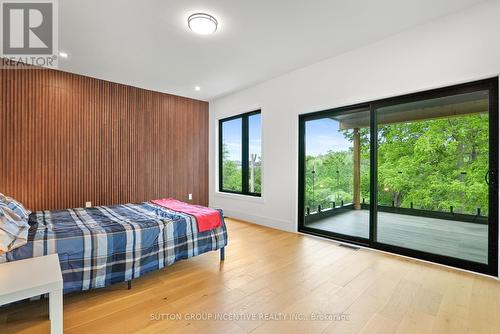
pixel 33 277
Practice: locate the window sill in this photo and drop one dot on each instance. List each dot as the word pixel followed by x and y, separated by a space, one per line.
pixel 240 197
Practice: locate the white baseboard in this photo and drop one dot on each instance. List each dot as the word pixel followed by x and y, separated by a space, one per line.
pixel 278 224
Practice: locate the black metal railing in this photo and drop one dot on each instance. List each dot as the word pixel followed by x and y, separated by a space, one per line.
pixel 326 209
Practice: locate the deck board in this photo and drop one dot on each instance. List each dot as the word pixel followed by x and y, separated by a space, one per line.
pixel 461 240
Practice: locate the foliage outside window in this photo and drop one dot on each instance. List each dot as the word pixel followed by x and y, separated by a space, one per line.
pixel 435 164
pixel 240 158
pixel 429 165
pixel 329 175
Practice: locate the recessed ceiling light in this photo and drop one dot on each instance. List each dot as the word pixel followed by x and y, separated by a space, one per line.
pixel 197 88
pixel 202 23
pixel 63 54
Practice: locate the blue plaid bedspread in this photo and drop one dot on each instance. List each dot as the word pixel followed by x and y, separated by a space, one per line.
pixel 103 245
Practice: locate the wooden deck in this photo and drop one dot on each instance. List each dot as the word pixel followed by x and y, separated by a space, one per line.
pixel 445 237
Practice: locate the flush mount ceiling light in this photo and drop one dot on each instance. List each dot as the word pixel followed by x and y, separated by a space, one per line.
pixel 202 23
pixel 63 54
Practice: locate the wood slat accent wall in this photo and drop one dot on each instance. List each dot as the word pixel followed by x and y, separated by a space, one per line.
pixel 66 139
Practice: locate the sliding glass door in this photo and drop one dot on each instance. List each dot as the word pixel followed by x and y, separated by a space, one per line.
pixel 432 175
pixel 337 173
pixel 414 175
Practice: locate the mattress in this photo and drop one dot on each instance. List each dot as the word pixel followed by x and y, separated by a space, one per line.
pixel 103 245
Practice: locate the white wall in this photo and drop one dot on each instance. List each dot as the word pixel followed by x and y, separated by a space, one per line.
pixel 458 48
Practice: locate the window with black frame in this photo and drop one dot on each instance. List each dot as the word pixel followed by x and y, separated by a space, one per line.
pixel 240 158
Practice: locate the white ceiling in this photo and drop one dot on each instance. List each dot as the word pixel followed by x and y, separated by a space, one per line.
pixel 146 43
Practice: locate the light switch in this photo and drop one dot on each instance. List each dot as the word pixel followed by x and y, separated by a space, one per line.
pixel 190 197
pixel 88 204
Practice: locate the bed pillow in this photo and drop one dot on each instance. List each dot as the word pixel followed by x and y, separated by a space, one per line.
pixel 13 229
pixel 15 206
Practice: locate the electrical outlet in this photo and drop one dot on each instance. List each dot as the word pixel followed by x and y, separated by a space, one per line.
pixel 190 197
pixel 88 204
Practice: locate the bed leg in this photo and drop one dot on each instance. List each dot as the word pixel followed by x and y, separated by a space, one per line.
pixel 222 254
pixel 129 284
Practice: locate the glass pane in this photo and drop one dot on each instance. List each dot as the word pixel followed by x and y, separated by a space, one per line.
pixel 337 168
pixel 231 155
pixel 432 161
pixel 254 154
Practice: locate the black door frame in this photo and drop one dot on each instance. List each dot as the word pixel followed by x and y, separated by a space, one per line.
pixel 488 84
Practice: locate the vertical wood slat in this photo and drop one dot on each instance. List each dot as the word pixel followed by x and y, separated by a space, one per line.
pixel 66 139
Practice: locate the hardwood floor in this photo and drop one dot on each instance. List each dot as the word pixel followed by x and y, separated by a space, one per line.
pixel 276 274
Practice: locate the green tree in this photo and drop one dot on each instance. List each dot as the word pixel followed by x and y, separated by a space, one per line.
pixel 231 172
pixel 432 164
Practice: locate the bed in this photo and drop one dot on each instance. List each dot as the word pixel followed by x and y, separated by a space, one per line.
pixel 103 245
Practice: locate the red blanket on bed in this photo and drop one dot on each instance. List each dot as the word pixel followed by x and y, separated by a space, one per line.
pixel 206 218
